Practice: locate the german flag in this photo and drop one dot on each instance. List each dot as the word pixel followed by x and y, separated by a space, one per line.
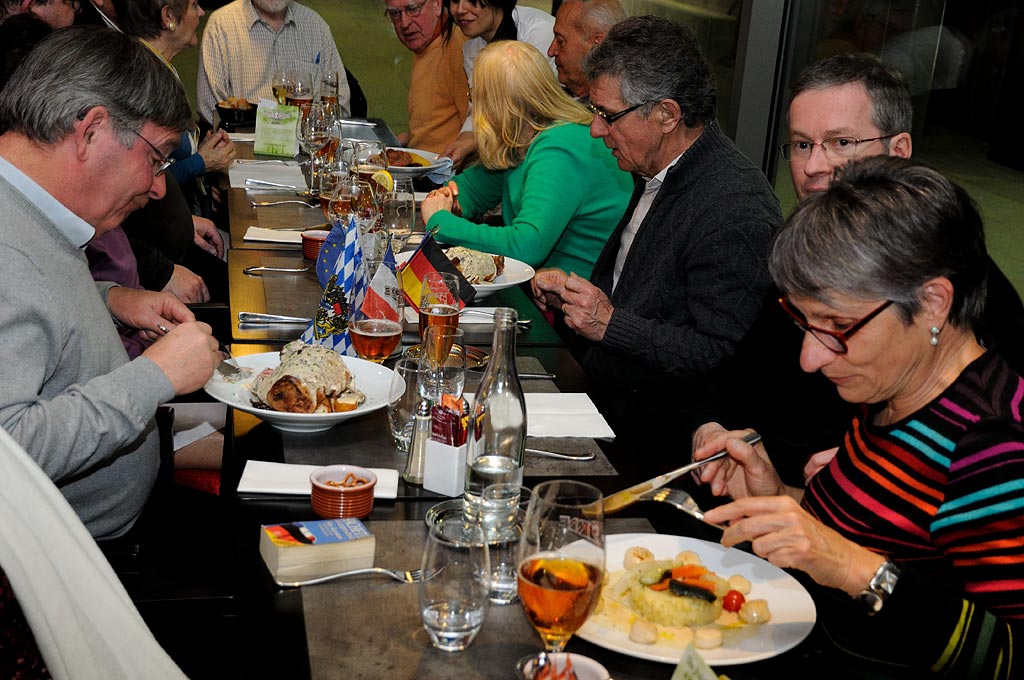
pixel 429 258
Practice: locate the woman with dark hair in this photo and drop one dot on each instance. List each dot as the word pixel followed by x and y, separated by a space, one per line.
pixel 487 21
pixel 917 523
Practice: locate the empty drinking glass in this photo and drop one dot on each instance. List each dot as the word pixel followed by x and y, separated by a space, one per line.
pixel 453 600
pixel 398 209
pixel 402 400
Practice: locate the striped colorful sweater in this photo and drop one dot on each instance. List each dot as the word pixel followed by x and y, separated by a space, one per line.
pixel 942 494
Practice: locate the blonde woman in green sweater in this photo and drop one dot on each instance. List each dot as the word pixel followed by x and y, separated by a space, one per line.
pixel 560 190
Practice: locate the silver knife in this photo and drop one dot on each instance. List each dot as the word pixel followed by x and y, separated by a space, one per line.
pixel 255 317
pixel 561 456
pixel 264 183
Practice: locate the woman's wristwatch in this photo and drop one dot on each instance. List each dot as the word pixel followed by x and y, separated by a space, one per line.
pixel 879 587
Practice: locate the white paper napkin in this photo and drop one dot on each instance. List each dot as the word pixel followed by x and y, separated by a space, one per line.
pixel 236 137
pixel 284 478
pixel 272 235
pixel 564 414
pixel 267 172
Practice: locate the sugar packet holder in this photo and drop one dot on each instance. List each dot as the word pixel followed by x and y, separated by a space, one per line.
pixel 444 468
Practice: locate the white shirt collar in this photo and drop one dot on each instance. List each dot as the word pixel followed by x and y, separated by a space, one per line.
pixel 74 228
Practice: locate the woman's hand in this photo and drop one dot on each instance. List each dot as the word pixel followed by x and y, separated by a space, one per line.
pixel 217 151
pixel 747 471
pixel 436 200
pixel 783 533
pixel 460 149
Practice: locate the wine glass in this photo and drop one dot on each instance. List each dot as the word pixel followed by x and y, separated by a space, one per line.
pixel 329 87
pixel 280 84
pixel 445 359
pixel 369 159
pixel 314 131
pixel 561 561
pixel 376 325
pixel 300 89
pixel 398 211
pixel 439 301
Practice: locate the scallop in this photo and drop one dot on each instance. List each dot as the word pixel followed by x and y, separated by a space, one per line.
pixel 755 611
pixel 643 632
pixel 635 555
pixel 740 583
pixel 707 638
pixel 688 557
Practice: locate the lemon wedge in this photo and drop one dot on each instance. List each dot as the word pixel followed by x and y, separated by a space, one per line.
pixel 384 179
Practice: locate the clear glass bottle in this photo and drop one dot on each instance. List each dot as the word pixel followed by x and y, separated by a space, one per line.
pixel 497 436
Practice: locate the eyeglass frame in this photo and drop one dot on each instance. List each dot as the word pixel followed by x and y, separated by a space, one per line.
pixel 786 148
pixel 610 118
pixel 411 11
pixel 841 338
pixel 165 163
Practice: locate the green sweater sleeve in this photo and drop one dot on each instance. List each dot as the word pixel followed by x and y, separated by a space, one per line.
pixel 539 199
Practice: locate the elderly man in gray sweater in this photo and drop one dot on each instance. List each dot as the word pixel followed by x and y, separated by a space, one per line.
pixel 87 122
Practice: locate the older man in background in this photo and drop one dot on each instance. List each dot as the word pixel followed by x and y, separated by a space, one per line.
pixel 438 88
pixel 684 273
pixel 88 119
pixel 57 13
pixel 247 41
pixel 579 26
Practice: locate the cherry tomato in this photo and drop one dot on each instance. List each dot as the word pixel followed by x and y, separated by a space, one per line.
pixel 733 600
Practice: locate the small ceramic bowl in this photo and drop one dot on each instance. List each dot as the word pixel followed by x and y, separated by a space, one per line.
pixel 312 242
pixel 584 667
pixel 237 117
pixel 331 499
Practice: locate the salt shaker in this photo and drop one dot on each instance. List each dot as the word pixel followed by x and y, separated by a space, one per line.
pixel 417 449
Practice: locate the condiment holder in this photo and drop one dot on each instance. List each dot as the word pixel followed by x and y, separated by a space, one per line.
pixel 312 242
pixel 331 499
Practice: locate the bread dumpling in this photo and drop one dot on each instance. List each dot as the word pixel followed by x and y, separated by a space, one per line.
pixel 475 266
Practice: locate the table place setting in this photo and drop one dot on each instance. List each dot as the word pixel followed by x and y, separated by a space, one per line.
pixel 273 235
pixel 263 477
pixel 564 414
pixel 255 175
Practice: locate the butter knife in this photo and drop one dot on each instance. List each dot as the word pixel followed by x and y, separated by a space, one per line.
pixel 255 317
pixel 620 499
pixel 561 456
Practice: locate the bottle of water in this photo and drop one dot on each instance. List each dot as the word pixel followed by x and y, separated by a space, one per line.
pixel 497 436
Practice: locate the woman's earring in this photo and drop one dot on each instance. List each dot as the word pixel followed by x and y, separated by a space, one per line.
pixel 935 336
pixel 171 26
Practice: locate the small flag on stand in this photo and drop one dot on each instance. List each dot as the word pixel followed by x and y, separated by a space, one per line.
pixel 344 284
pixel 428 258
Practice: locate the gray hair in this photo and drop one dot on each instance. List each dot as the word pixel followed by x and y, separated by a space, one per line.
pixel 655 59
pixel 891 108
pixel 78 68
pixel 885 227
pixel 598 16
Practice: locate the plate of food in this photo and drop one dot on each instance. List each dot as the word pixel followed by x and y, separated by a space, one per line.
pixel 662 593
pixel 403 162
pixel 303 388
pixel 488 273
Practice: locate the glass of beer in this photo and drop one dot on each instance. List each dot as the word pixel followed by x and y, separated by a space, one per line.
pixel 300 89
pixel 561 561
pixel 375 326
pixel 329 87
pixel 439 302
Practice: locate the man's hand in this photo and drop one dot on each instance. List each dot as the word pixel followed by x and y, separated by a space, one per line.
pixel 148 311
pixel 587 309
pixel 461 149
pixel 547 286
pixel 186 286
pixel 217 151
pixel 207 236
pixel 187 355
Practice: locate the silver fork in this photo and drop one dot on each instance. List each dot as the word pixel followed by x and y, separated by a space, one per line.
pixel 264 204
pixel 414 576
pixel 680 499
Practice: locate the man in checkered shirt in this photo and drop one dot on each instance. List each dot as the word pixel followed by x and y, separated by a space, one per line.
pixel 246 41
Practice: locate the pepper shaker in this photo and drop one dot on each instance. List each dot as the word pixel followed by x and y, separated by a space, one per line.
pixel 413 473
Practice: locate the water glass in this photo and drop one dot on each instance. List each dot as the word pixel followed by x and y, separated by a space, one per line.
pixel 453 601
pixel 445 358
pixel 503 509
pixel 398 210
pixel 403 397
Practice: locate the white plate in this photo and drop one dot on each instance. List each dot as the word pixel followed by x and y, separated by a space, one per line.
pixel 371 379
pixel 793 610
pixel 516 272
pixel 416 170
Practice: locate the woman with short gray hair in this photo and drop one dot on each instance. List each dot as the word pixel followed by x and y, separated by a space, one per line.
pixel 916 521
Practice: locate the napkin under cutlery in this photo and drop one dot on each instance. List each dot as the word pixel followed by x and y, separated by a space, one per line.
pixel 272 235
pixel 290 175
pixel 564 414
pixel 285 478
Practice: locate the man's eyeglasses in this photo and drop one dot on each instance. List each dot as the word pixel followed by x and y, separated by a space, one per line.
pixel 76 5
pixel 411 11
pixel 834 147
pixel 835 341
pixel 161 162
pixel 610 118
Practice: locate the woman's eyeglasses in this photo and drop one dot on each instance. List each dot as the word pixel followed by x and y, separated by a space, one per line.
pixel 835 341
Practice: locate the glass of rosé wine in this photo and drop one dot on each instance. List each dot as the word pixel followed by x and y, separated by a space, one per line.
pixel 561 561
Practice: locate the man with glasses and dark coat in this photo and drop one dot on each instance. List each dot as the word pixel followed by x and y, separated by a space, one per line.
pixel 684 273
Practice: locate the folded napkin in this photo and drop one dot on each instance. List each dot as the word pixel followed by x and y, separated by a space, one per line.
pixel 564 414
pixel 273 236
pixel 266 172
pixel 242 137
pixel 444 172
pixel 283 478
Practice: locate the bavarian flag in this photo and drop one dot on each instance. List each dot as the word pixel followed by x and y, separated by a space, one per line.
pixel 429 258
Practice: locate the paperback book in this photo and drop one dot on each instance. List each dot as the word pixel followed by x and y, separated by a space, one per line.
pixel 299 550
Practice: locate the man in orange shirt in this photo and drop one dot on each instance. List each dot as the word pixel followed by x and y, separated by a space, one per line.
pixel 439 90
